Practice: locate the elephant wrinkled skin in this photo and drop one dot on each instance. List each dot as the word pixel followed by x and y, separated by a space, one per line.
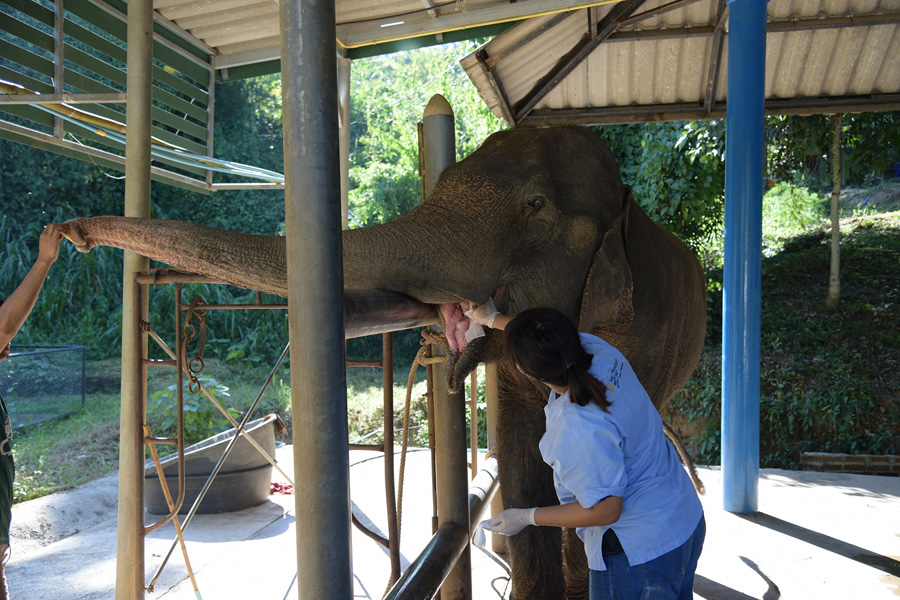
pixel 535 217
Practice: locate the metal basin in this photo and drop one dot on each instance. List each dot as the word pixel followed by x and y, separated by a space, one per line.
pixel 243 481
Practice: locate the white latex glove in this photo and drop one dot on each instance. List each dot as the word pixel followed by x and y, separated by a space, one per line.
pixel 511 521
pixel 483 314
pixel 479 539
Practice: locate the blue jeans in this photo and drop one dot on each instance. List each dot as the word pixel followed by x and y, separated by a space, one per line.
pixel 668 577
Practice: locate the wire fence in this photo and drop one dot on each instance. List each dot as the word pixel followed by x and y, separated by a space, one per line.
pixel 43 382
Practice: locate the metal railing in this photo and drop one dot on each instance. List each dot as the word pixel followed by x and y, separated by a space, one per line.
pixel 41 382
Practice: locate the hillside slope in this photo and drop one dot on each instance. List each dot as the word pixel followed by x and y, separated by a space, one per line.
pixel 830 379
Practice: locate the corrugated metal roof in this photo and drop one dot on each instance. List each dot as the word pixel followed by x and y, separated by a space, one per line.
pixel 659 60
pixel 241 32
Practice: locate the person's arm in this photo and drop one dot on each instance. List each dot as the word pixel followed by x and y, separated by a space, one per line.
pixel 573 514
pixel 17 307
pixel 513 520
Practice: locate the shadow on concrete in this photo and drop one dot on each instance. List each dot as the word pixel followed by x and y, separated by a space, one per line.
pixel 826 542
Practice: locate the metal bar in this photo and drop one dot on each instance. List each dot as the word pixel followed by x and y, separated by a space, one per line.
pixel 390 497
pixel 492 399
pixel 178 364
pixel 681 112
pixel 715 59
pixel 608 25
pixel 424 577
pixel 742 279
pixel 173 510
pixel 58 60
pixel 473 420
pixel 376 447
pixel 499 93
pixel 43 141
pixel 431 568
pixel 660 10
pixel 366 312
pixel 130 540
pixel 314 278
pixel 239 432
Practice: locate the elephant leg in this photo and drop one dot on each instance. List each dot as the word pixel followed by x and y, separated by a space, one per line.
pixel 575 566
pixel 526 481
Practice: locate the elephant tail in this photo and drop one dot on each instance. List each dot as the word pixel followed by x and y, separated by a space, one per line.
pixel 685 458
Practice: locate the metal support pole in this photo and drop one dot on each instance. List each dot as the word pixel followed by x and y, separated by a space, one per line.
pixel 742 279
pixel 343 76
pixel 390 496
pixel 130 533
pixel 492 398
pixel 315 285
pixel 449 407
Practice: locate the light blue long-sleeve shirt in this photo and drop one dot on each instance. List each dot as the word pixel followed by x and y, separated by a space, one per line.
pixel 595 454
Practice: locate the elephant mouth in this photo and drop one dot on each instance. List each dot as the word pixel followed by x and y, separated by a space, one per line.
pixel 460 330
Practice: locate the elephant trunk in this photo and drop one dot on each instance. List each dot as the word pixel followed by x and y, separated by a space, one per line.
pixel 248 261
pixel 406 256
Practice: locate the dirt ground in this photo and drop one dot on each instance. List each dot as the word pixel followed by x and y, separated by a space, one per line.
pixel 884 197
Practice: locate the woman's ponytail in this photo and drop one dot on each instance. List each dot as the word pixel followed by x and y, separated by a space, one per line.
pixel 544 344
pixel 584 387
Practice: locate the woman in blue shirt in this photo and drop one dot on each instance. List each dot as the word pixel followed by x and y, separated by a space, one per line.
pixel 618 480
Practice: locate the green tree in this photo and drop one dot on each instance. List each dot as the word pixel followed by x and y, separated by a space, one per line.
pixel 388 95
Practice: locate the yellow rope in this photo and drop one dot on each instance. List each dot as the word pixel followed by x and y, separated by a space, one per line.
pixel 428 338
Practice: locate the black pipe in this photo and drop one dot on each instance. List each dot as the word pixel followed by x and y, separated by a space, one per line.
pixel 424 577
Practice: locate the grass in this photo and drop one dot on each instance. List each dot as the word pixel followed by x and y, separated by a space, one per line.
pixel 62 453
pixel 830 378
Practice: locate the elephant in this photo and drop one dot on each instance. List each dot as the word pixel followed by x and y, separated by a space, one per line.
pixel 534 217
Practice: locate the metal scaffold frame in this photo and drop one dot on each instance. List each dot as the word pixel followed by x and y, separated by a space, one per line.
pixel 185 330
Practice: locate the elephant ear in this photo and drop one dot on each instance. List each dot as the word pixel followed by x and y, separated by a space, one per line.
pixel 606 303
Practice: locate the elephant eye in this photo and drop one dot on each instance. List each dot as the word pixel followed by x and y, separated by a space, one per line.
pixel 537 203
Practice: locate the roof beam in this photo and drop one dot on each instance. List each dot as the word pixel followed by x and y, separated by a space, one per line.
pixel 353 35
pixel 605 27
pixel 715 58
pixel 615 115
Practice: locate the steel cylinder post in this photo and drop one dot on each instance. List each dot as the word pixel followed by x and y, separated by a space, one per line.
pixel 315 282
pixel 440 139
pixel 449 407
pixel 744 154
pixel 492 399
pixel 130 532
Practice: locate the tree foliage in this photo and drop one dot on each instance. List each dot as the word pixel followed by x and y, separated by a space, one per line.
pixel 389 94
pixel 799 147
pixel 677 172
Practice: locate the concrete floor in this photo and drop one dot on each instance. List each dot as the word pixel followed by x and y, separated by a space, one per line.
pixel 816 536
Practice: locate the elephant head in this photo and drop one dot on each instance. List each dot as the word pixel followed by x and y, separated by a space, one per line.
pixel 534 217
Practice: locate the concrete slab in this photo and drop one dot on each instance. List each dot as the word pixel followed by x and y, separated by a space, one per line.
pixel 817 535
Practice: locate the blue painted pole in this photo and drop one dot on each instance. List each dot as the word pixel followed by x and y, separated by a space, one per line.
pixel 745 153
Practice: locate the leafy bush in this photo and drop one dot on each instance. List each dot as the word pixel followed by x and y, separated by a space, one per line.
pixel 788 209
pixel 829 378
pixel 202 419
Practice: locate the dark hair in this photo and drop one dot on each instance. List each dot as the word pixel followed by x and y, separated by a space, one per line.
pixel 544 344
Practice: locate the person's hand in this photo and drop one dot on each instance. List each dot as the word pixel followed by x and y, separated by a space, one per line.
pixel 48 248
pixel 483 314
pixel 511 521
